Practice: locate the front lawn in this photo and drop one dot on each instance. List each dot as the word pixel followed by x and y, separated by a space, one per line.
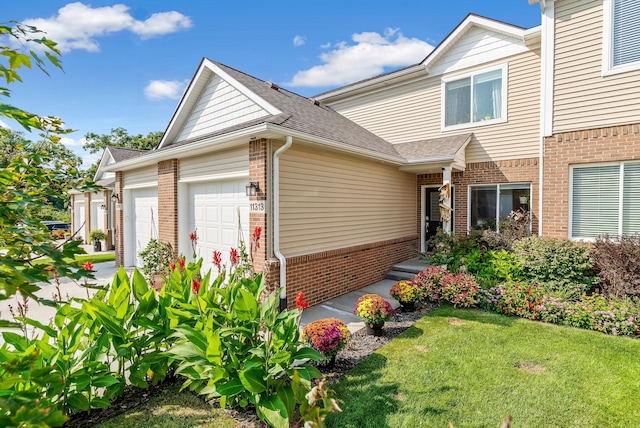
pixel 81 258
pixel 472 368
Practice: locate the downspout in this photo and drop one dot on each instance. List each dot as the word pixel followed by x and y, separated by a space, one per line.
pixel 276 222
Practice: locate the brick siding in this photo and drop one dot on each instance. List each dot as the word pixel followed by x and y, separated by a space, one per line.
pixel 617 143
pixel 168 202
pixel 258 172
pixel 328 274
pixel 498 172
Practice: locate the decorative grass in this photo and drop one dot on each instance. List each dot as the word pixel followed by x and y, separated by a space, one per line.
pixel 473 368
pixel 173 409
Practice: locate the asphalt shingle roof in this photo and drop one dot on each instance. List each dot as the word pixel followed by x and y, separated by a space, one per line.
pixel 434 147
pixel 121 153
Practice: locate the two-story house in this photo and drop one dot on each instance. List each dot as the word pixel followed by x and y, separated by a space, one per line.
pixel 350 182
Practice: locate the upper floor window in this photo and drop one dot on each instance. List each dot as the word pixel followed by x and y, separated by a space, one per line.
pixel 621 44
pixel 474 99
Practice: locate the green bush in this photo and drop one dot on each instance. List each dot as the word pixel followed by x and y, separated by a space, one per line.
pixel 559 267
pixel 97 235
pixel 156 257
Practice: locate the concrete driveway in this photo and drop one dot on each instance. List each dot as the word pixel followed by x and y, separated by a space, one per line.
pixel 103 272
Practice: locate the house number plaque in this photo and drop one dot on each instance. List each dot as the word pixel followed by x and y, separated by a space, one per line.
pixel 257 207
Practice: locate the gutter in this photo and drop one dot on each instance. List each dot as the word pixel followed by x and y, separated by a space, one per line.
pixel 276 222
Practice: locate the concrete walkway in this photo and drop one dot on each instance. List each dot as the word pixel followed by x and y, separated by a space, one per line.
pixel 342 307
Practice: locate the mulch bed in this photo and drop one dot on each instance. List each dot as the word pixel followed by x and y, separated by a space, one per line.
pixel 360 346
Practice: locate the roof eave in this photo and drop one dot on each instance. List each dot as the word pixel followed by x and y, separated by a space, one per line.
pixel 368 84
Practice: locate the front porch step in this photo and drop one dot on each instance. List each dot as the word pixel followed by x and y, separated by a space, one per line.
pixel 412 266
pixel 397 275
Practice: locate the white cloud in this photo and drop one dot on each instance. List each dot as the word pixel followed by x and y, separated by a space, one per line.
pixel 4 125
pixel 159 89
pixel 70 142
pixel 299 41
pixel 89 159
pixel 370 54
pixel 326 45
pixel 76 26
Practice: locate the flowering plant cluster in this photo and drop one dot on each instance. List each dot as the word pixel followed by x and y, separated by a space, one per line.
pixel 405 291
pixel 327 336
pixel 373 309
pixel 512 299
pixel 460 289
pixel 428 281
pixel 616 316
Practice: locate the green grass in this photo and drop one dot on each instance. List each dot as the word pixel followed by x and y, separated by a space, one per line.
pixel 173 409
pixel 93 258
pixel 472 368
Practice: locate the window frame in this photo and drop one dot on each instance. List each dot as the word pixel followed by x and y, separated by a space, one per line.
pixel 497 218
pixel 471 75
pixel 607 44
pixel 622 187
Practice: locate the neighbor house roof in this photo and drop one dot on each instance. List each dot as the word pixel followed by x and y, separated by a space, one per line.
pixel 122 153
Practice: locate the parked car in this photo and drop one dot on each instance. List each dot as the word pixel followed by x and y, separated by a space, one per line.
pixel 57 225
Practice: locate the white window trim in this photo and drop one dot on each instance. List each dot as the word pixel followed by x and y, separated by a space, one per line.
pixel 607 44
pixel 503 113
pixel 621 164
pixel 522 183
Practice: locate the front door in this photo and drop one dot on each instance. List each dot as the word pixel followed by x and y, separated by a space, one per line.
pixel 432 220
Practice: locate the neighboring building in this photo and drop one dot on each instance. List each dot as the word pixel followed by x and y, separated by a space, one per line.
pixel 592 124
pixel 95 210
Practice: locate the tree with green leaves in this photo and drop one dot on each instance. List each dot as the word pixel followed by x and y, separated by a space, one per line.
pixel 119 137
pixel 31 176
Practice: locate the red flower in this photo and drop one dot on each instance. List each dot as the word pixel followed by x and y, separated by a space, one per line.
pixel 195 286
pixel 234 257
pixel 256 236
pixel 172 266
pixel 87 266
pixel 217 259
pixel 181 262
pixel 300 302
pixel 193 236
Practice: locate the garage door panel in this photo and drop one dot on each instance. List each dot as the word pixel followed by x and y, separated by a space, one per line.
pixel 145 219
pixel 214 210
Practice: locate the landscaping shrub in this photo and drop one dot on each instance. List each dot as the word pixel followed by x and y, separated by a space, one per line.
pixel 618 317
pixel 617 262
pixel 479 262
pixel 459 289
pixel 557 266
pixel 516 225
pixel 517 299
pixel 428 281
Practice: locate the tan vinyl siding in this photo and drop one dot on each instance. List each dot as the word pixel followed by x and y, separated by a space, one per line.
pixel 583 98
pixel 316 189
pixel 219 106
pixel 413 112
pixel 229 162
pixel 142 177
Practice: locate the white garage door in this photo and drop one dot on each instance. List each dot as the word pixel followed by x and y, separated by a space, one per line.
pixel 216 210
pixel 145 219
pixel 78 219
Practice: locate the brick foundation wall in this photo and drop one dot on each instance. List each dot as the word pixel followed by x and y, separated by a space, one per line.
pixel 498 172
pixel 329 274
pixel 168 202
pixel 119 220
pixel 617 143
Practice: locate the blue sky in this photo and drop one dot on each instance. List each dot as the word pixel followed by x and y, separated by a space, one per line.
pixel 127 63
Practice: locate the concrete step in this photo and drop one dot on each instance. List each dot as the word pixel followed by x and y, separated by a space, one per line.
pixel 397 275
pixel 413 266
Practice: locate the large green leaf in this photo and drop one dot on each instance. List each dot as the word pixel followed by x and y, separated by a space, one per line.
pixel 230 388
pixel 308 353
pixel 140 285
pixel 246 306
pixel 105 380
pixel 253 379
pixel 274 412
pixel 78 402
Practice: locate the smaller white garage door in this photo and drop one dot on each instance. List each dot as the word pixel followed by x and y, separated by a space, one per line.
pixel 78 218
pixel 219 211
pixel 144 220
